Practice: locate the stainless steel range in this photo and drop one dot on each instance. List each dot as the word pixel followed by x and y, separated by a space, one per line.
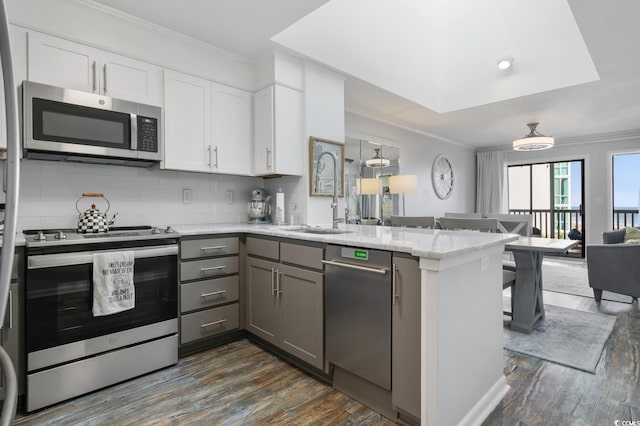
pixel 69 350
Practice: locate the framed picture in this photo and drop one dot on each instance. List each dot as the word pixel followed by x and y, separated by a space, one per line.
pixel 322 154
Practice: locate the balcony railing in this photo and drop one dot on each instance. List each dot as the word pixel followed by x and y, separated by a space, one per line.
pixel 625 217
pixel 556 225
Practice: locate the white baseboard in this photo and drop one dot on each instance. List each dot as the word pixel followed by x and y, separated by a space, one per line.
pixel 486 404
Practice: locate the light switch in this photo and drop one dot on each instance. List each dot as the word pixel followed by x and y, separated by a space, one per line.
pixel 228 197
pixel 187 196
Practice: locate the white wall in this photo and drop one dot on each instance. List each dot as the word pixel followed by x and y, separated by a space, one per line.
pixel 50 189
pixel 597 155
pixel 417 153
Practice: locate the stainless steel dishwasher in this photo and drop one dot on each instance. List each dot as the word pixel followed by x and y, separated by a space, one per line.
pixel 358 312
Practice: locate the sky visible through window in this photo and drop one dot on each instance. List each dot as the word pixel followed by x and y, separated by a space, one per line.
pixel 626 181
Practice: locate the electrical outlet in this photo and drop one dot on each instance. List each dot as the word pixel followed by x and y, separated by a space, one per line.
pixel 187 196
pixel 228 197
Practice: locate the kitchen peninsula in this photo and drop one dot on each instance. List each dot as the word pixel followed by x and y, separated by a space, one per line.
pixel 461 362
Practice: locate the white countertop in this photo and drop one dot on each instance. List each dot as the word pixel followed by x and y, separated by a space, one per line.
pixel 428 243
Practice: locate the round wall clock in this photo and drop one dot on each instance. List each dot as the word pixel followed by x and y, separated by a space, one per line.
pixel 442 177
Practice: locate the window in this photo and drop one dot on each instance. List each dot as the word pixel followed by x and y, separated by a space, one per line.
pixel 626 190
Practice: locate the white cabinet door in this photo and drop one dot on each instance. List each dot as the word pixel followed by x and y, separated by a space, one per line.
pixel 288 151
pixel 187 123
pixel 263 137
pixel 277 127
pixel 127 78
pixel 71 65
pixel 62 63
pixel 231 130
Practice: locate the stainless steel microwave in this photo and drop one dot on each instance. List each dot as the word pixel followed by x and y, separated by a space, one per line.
pixel 65 124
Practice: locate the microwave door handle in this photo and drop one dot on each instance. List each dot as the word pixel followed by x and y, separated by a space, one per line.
pixel 134 132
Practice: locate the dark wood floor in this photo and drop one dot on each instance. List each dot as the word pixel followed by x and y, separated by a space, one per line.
pixel 235 384
pixel 240 383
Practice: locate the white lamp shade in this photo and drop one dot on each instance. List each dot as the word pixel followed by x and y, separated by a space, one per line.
pixel 403 184
pixel 368 186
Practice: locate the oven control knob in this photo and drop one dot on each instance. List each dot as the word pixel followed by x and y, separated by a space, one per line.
pixel 40 236
pixel 61 235
pixel 155 230
pixel 168 230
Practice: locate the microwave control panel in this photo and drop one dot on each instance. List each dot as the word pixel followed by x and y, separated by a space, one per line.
pixel 147 134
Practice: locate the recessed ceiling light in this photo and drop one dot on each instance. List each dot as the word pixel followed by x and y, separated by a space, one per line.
pixel 505 63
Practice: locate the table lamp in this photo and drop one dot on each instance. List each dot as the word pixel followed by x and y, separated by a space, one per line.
pixel 368 186
pixel 402 184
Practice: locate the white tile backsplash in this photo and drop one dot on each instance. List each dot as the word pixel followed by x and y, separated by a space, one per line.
pixel 49 190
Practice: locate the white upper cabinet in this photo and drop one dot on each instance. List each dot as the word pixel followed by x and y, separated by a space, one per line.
pixel 207 126
pixel 187 123
pixel 71 65
pixel 231 130
pixel 277 131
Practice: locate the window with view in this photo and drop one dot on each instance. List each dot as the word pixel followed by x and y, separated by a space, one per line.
pixel 626 190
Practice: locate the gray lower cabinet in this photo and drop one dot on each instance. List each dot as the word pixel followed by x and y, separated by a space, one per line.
pixel 405 317
pixel 209 288
pixel 285 302
pixel 11 327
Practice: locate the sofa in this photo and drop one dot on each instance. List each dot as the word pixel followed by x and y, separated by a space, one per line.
pixel 614 265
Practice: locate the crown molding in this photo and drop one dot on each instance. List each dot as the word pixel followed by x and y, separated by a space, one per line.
pixel 407 128
pixel 601 137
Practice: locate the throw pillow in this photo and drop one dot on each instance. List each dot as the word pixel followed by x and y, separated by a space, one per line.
pixel 632 241
pixel 631 234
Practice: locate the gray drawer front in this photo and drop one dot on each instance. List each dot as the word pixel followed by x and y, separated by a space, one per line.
pixel 193 249
pixel 208 268
pixel 264 248
pixel 204 294
pixel 209 323
pixel 297 254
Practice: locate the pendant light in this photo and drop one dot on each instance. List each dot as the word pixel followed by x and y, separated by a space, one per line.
pixel 534 141
pixel 377 161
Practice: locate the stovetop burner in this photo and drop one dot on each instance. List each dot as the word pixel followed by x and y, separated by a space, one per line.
pixel 50 237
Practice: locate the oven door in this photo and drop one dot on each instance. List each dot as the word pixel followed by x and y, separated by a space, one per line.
pixel 59 297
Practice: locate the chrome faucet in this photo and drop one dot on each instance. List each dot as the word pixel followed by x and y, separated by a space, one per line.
pixel 334 204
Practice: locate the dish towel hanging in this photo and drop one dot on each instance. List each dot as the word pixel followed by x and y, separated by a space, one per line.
pixel 113 289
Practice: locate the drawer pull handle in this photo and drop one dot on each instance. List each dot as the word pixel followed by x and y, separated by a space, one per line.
pixel 203 249
pixel 213 293
pixel 210 269
pixel 213 323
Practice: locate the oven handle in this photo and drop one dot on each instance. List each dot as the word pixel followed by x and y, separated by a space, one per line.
pixel 86 257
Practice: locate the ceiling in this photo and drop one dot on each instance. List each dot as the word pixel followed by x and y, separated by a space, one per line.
pixel 430 65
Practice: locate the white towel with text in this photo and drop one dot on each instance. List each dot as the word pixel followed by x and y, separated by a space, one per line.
pixel 113 289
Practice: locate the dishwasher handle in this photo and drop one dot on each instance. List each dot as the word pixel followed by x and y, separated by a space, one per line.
pixel 381 271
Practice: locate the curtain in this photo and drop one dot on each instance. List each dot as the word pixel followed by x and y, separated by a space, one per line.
pixel 490 188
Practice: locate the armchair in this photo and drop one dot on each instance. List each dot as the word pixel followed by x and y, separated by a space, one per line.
pixel 614 266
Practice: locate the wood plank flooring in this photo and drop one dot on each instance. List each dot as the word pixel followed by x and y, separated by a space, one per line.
pixel 235 384
pixel 544 393
pixel 240 383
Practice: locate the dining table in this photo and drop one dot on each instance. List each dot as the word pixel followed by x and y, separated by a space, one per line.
pixel 528 252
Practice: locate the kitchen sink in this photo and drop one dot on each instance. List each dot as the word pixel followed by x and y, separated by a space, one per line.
pixel 321 231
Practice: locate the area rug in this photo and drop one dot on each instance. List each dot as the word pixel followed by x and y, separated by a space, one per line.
pixel 565 336
pixel 572 278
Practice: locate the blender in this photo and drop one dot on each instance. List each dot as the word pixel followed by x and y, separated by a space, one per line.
pixel 259 208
